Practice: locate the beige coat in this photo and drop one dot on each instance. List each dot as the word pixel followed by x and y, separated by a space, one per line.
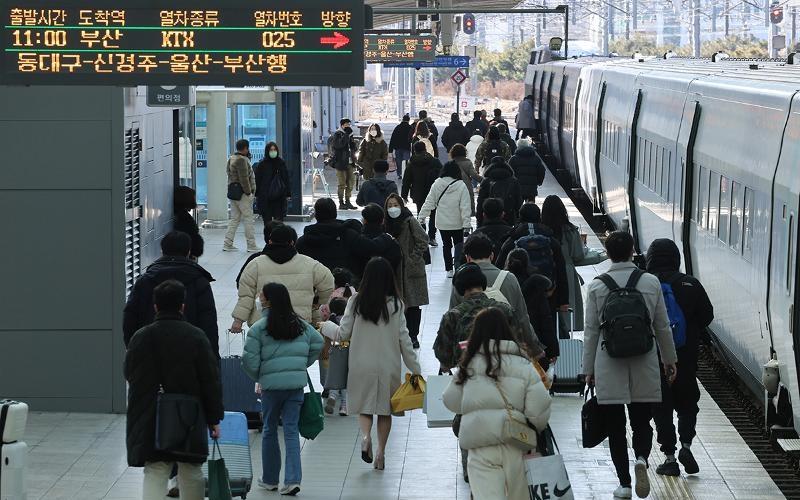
pixel 627 380
pixel 302 275
pixel 239 170
pixel 375 352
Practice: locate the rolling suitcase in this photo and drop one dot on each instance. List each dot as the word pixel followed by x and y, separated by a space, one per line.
pixel 13 418
pixel 568 377
pixel 238 390
pixel 234 445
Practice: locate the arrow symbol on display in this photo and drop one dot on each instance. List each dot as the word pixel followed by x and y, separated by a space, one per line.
pixel 337 40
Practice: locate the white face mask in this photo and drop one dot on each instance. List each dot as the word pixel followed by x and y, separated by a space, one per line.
pixel 373 133
pixel 394 212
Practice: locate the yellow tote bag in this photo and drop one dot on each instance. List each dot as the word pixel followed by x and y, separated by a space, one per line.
pixel 410 395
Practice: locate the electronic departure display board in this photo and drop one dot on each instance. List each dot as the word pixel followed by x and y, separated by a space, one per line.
pixel 381 48
pixel 183 42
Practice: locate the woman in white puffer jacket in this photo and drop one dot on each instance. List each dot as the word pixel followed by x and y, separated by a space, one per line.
pixel 494 362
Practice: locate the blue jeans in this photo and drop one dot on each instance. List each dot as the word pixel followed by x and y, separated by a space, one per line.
pixel 286 406
pixel 399 156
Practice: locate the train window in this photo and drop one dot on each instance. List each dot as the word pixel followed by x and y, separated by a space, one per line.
pixel 667 175
pixel 702 199
pixel 658 167
pixel 724 208
pixel 651 166
pixel 713 203
pixel 737 203
pixel 789 253
pixel 639 156
pixel 747 243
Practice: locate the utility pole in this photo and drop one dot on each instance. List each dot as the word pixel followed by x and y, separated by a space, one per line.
pixel 727 18
pixel 628 20
pixel 634 10
pixel 794 29
pixel 696 28
pixel 714 14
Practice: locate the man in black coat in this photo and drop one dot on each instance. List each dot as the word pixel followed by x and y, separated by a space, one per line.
pixel 377 189
pixel 477 124
pixel 664 260
pixel 506 137
pixel 375 241
pixel 176 356
pixel 200 309
pixel 499 182
pixel 455 133
pixel 529 170
pixel 329 241
pixel 493 225
pixel 422 172
pixel 400 144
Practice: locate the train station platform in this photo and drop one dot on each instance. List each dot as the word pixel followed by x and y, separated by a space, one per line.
pixel 82 456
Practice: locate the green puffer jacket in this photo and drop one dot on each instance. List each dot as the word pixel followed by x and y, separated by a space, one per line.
pixel 279 364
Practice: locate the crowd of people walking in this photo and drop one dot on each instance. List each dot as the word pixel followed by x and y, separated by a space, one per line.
pixel 360 286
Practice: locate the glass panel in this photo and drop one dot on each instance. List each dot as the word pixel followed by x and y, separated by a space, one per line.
pixel 737 202
pixel 657 168
pixel 201 154
pixel 724 208
pixel 748 222
pixel 713 203
pixel 185 147
pixel 702 202
pixel 256 123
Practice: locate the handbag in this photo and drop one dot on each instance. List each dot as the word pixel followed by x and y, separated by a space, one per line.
pixel 515 432
pixel 181 428
pixel 312 418
pixel 410 395
pixel 235 191
pixel 219 485
pixel 338 358
pixel 547 476
pixel 593 428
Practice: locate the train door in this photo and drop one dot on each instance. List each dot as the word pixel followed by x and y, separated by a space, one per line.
pixel 547 100
pixel 633 198
pixel 598 140
pixel 683 184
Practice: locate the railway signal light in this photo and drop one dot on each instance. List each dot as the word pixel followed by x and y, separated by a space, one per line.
pixel 776 14
pixel 469 24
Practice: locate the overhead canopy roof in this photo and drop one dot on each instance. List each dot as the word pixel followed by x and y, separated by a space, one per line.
pixel 382 21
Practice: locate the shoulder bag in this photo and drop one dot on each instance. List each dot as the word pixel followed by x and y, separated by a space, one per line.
pixel 445 190
pixel 235 191
pixel 312 417
pixel 517 433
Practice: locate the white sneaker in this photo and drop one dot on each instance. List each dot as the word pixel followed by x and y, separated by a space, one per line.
pixel 268 487
pixel 172 488
pixel 290 490
pixel 642 484
pixel 450 274
pixel 226 248
pixel 253 249
pixel 623 492
pixel 330 403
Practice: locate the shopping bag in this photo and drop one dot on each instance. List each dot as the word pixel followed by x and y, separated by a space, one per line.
pixel 219 487
pixel 547 478
pixel 410 395
pixel 438 414
pixel 312 417
pixel 338 361
pixel 593 428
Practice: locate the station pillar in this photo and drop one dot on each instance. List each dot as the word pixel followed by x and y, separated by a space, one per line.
pixel 217 126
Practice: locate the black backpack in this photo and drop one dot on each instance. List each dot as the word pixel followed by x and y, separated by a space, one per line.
pixel 625 319
pixel 540 253
pixel 493 148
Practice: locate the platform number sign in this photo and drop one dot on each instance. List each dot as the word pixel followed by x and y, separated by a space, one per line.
pixel 458 77
pixel 182 42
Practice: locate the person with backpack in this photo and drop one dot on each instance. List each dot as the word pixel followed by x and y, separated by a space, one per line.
pixel 690 311
pixel 476 124
pixel 433 132
pixel 272 185
pixel 378 188
pixel 454 133
pixel 342 154
pixel 491 147
pixel 400 144
pixel 423 170
pixel 499 182
pixel 493 225
pixel 529 169
pixel 450 198
pixel 506 137
pixel 626 330
pixel 458 153
pixel 372 149
pixel 422 134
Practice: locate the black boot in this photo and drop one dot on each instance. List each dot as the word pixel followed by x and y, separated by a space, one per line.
pixel 342 205
pixel 350 206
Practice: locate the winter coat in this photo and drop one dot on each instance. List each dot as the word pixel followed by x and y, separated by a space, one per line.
pixel 265 173
pixel 472 147
pixel 477 124
pixel 420 174
pixel 664 260
pixel 450 198
pixel 529 170
pixel 303 276
pixel 469 174
pixel 370 151
pixel 171 353
pixel 239 170
pixel 635 379
pixel 401 137
pixel 185 223
pixel 374 368
pixel 330 243
pixel 510 142
pixel 376 190
pixel 525 114
pixel 481 403
pixel 574 252
pixel 434 134
pixel 200 309
pixel 499 182
pixel 561 294
pixel 429 148
pixel 455 133
pixel 488 150
pixel 412 279
pixel 279 365
pixel 374 242
pixel 342 150
pixel 497 230
pixel 534 289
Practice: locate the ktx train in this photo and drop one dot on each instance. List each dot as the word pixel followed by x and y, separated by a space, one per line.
pixel 706 152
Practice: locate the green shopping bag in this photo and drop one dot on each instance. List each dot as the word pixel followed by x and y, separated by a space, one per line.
pixel 219 487
pixel 312 418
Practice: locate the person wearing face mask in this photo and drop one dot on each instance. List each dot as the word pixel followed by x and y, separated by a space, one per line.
pixel 272 185
pixel 378 188
pixel 411 277
pixel 372 149
pixel 342 150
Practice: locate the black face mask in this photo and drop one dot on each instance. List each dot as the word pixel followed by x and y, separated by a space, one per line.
pixel 348 130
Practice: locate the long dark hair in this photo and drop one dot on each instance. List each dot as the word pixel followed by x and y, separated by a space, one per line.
pixel 422 129
pixel 554 215
pixel 376 127
pixel 489 325
pixel 269 146
pixel 377 285
pixel 282 322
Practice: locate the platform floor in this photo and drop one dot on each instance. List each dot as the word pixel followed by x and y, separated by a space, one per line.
pixel 82 456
